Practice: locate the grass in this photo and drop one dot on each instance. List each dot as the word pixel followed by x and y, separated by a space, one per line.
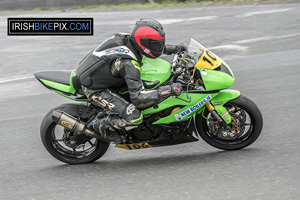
pixel 164 3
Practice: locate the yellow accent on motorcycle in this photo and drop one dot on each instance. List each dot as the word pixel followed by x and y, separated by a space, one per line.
pixel 209 107
pixel 173 111
pixel 133 146
pixel 66 124
pixel 208 61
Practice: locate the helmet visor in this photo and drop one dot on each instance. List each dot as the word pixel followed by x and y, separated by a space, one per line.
pixel 153 45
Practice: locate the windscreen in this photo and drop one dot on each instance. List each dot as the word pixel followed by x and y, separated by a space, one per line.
pixel 201 56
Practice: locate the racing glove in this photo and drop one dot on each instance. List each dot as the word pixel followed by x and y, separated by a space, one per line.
pixel 169 90
pixel 173 49
pixel 176 89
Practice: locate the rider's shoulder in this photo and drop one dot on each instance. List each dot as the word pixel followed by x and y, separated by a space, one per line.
pixel 121 35
pixel 118 38
pixel 114 40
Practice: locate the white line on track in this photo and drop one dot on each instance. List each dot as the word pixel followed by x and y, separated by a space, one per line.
pixel 264 38
pixel 231 46
pixel 21 118
pixel 249 14
pixel 16 79
pixel 202 18
pixel 174 21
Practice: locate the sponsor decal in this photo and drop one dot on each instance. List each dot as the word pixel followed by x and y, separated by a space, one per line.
pixel 165 93
pixel 147 51
pixel 178 117
pixel 184 113
pixel 225 115
pixel 66 124
pixel 102 102
pixel 116 50
pixel 50 26
pixel 219 103
pixel 130 109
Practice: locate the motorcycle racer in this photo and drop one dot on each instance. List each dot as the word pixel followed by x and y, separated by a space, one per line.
pixel 117 60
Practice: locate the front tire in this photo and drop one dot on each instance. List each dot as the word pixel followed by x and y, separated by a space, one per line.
pixel 53 138
pixel 247 120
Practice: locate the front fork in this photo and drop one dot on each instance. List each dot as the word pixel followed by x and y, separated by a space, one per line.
pixel 220 113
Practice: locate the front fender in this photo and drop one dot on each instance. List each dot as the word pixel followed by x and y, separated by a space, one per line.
pixel 224 96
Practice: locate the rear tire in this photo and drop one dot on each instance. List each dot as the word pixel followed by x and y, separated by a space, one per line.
pixel 57 148
pixel 249 135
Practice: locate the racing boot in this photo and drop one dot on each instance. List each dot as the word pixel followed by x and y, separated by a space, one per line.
pixel 108 127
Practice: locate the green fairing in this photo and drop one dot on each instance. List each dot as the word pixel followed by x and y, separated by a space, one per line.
pixel 169 102
pixel 155 69
pixel 215 80
pixel 221 98
pixel 71 81
pixel 195 98
pixel 59 86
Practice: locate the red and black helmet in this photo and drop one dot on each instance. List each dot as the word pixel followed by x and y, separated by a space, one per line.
pixel 148 37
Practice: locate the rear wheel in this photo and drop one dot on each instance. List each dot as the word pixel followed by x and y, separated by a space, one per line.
pixel 64 146
pixel 245 126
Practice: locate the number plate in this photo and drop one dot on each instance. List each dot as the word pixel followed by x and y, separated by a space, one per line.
pixel 208 61
pixel 134 146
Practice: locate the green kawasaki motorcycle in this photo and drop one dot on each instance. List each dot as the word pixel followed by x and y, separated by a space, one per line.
pixel 207 108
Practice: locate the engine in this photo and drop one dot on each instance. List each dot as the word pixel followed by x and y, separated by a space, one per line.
pixel 142 133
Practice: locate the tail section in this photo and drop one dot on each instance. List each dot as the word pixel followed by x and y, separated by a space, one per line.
pixel 65 83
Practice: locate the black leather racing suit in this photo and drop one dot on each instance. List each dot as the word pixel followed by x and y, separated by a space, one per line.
pixel 112 63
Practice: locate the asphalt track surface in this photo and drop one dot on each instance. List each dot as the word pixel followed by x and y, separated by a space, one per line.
pixel 260 42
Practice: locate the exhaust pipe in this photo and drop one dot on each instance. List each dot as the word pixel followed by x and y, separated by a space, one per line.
pixel 75 125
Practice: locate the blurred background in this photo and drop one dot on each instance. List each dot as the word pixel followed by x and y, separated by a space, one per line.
pixel 260 40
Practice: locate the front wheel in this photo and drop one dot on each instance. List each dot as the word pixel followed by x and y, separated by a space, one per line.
pixel 66 147
pixel 245 127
